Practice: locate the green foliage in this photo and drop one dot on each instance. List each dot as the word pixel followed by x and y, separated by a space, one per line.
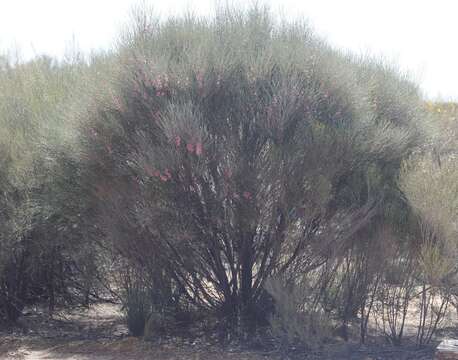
pixel 429 184
pixel 294 322
pixel 138 310
pixel 41 252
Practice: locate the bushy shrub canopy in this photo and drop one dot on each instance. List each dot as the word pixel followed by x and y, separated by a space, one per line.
pixel 232 149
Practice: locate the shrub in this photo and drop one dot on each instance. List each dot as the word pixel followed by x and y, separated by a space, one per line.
pixel 138 310
pixel 233 149
pixel 148 299
pixel 429 184
pixel 294 322
pixel 42 247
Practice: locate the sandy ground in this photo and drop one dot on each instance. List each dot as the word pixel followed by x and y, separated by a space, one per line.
pixel 128 349
pixel 99 334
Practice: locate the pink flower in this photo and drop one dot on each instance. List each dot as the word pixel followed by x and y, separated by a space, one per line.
pixel 199 149
pixel 190 147
pixel 200 79
pixel 177 141
pixel 164 178
pixel 247 195
pixel 149 170
pixel 156 173
pixel 168 174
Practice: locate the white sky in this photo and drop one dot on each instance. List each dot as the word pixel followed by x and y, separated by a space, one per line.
pixel 421 36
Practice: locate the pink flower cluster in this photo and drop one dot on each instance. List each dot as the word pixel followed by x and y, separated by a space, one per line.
pixel 161 84
pixel 227 173
pixel 246 195
pixel 192 148
pixel 195 148
pixel 177 141
pixel 199 149
pixel 200 80
pixel 165 176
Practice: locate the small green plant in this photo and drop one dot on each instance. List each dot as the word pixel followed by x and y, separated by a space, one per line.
pixel 294 321
pixel 137 307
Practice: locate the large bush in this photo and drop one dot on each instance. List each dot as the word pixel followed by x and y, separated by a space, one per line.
pixel 232 149
pixel 43 255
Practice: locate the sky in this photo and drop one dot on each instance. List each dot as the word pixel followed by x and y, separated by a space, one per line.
pixel 420 36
